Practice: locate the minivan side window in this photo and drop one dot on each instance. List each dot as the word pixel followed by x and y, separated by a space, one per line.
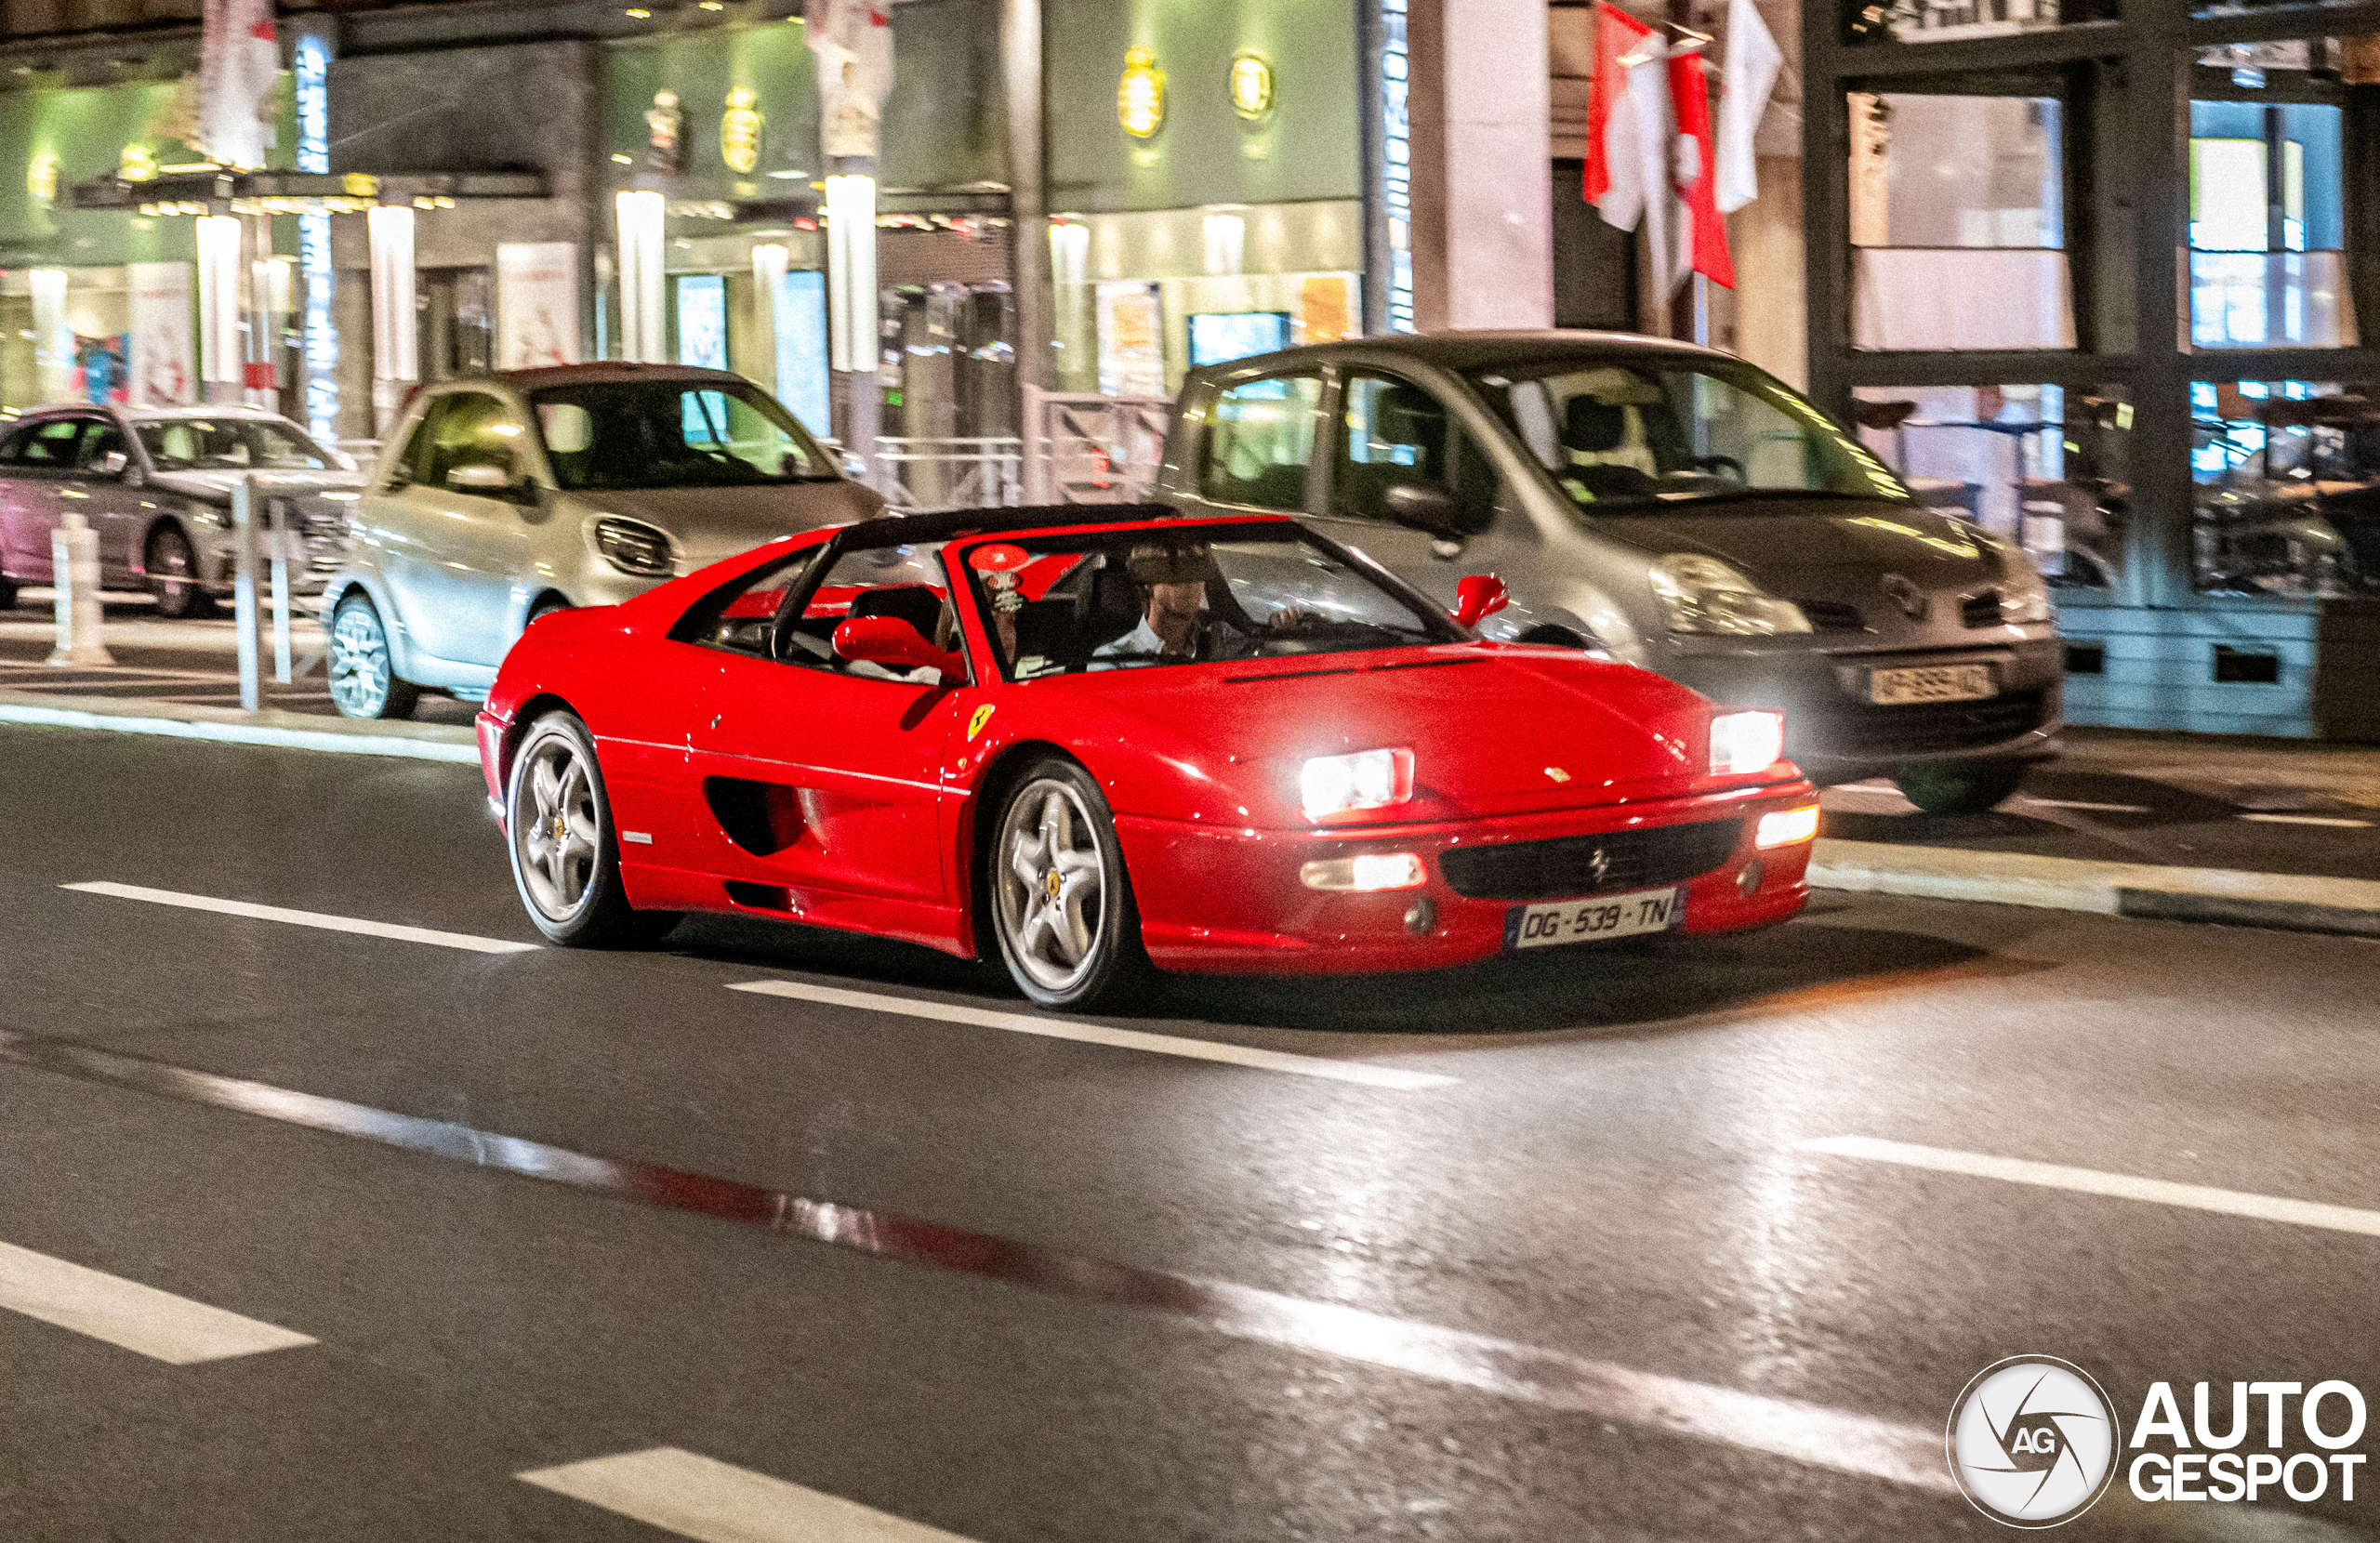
pixel 1259 440
pixel 471 429
pixel 406 468
pixel 1393 433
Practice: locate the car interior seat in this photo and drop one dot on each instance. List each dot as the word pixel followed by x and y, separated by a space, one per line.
pixel 1605 444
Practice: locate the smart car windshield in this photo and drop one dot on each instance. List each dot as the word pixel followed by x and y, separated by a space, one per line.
pixel 1640 436
pixel 231 444
pixel 672 433
pixel 1143 599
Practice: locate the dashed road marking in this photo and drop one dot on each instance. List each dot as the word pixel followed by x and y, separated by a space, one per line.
pixel 304 919
pixel 1362 1072
pixel 2118 1186
pixel 2095 809
pixel 702 1498
pixel 157 1323
pixel 2309 820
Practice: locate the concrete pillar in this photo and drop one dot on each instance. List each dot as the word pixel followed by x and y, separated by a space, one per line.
pixel 1030 263
pixel 396 348
pixel 222 360
pixel 53 337
pixel 1482 224
pixel 769 263
pixel 851 304
pixel 644 313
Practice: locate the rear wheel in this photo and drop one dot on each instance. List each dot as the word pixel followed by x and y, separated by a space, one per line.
pixel 565 853
pixel 7 593
pixel 362 671
pixel 1061 902
pixel 1961 787
pixel 173 576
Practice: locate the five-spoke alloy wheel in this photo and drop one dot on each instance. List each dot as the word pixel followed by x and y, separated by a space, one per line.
pixel 565 857
pixel 1060 904
pixel 364 676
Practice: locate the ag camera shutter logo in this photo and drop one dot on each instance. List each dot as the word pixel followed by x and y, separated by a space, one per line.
pixel 2032 1441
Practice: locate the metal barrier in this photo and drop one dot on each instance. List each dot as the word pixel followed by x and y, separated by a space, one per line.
pixel 1083 448
pixel 920 474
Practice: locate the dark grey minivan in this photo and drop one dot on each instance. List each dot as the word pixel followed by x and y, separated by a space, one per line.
pixel 1670 506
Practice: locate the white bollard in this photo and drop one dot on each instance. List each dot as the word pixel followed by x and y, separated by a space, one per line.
pixel 284 543
pixel 74 572
pixel 245 554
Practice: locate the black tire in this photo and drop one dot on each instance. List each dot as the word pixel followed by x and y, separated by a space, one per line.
pixel 1060 951
pixel 7 593
pixel 1961 787
pixel 546 605
pixel 564 851
pixel 172 566
pixel 361 667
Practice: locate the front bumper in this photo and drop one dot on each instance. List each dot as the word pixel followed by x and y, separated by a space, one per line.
pixel 1836 736
pixel 1231 900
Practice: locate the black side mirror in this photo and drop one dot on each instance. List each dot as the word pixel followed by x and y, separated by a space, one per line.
pixel 1425 506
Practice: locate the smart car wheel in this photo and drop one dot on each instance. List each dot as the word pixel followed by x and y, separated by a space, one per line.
pixel 173 576
pixel 1062 906
pixel 565 858
pixel 1960 788
pixel 364 678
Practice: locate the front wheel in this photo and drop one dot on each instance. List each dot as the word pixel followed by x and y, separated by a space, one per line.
pixel 363 672
pixel 173 576
pixel 565 854
pixel 1957 787
pixel 7 593
pixel 1061 902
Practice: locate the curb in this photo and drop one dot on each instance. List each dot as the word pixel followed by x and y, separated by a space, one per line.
pixel 2285 902
pixel 435 742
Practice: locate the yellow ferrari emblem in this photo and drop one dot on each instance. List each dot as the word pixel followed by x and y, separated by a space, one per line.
pixel 1052 883
pixel 975 724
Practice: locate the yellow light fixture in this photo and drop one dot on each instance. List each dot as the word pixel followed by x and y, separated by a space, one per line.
pixel 1251 86
pixel 739 133
pixel 1140 94
pixel 638 13
pixel 138 163
pixel 41 177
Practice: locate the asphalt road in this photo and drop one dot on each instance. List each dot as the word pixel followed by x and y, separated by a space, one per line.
pixel 1590 1286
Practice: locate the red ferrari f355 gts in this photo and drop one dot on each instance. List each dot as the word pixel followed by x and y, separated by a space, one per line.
pixel 1091 742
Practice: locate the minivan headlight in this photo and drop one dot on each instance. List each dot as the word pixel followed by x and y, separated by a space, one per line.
pixel 1702 594
pixel 2024 595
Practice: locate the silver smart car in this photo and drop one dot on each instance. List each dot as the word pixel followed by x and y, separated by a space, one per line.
pixel 1670 506
pixel 500 498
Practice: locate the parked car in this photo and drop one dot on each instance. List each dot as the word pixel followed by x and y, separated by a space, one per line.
pixel 157 483
pixel 1668 506
pixel 500 499
pixel 1084 743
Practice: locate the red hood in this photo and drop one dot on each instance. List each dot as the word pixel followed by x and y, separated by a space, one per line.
pixel 1488 726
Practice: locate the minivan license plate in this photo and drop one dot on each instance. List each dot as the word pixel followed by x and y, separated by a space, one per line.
pixel 1892 688
pixel 1594 921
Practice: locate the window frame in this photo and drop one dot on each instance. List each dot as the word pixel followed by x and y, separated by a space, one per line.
pixel 1320 375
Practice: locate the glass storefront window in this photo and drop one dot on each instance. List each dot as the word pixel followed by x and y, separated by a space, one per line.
pixel 2267 214
pixel 2287 478
pixel 2044 466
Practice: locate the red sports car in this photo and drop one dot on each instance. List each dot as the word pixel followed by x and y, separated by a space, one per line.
pixel 1094 742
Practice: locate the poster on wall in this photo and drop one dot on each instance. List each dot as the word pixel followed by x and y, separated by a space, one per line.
pixel 1131 339
pixel 161 364
pixel 701 320
pixel 99 368
pixel 536 304
pixel 802 382
pixel 1326 308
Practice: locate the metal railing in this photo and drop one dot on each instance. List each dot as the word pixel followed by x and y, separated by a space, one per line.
pixel 921 474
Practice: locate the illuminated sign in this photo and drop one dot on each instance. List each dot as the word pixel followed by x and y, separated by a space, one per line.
pixel 739 133
pixel 137 163
pixel 1140 95
pixel 1396 162
pixel 41 177
pixel 1251 86
pixel 311 68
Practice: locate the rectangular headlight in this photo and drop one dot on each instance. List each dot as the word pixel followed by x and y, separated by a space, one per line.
pixel 1393 870
pixel 1368 779
pixel 1746 742
pixel 1788 827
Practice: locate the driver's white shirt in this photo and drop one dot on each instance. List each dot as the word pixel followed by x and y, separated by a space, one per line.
pixel 1141 639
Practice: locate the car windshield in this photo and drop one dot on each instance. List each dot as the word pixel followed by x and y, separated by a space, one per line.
pixel 227 445
pixel 1641 436
pixel 672 433
pixel 1145 599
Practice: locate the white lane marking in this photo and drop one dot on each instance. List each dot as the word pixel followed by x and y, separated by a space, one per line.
pixel 2308 820
pixel 305 918
pixel 346 742
pixel 137 1317
pixel 2078 803
pixel 702 1498
pixel 1093 1034
pixel 2118 1186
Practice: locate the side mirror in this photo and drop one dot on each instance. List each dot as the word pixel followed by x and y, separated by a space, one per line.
pixel 480 477
pixel 112 464
pixel 855 466
pixel 893 643
pixel 1478 597
pixel 1425 506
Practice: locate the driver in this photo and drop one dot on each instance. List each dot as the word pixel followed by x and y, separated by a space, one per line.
pixel 1176 622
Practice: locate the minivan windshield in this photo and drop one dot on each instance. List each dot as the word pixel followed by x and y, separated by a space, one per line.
pixel 622 434
pixel 1640 436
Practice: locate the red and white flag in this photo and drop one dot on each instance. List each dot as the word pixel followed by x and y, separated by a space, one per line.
pixel 239 73
pixel 1629 131
pixel 1703 231
pixel 1753 60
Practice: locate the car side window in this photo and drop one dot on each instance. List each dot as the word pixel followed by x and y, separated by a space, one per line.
pixel 472 429
pixel 903 583
pixel 746 622
pixel 407 468
pixel 1259 441
pixel 1393 433
pixel 104 438
pixel 53 443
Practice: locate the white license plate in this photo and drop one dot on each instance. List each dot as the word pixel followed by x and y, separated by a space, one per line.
pixel 1563 922
pixel 1891 687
